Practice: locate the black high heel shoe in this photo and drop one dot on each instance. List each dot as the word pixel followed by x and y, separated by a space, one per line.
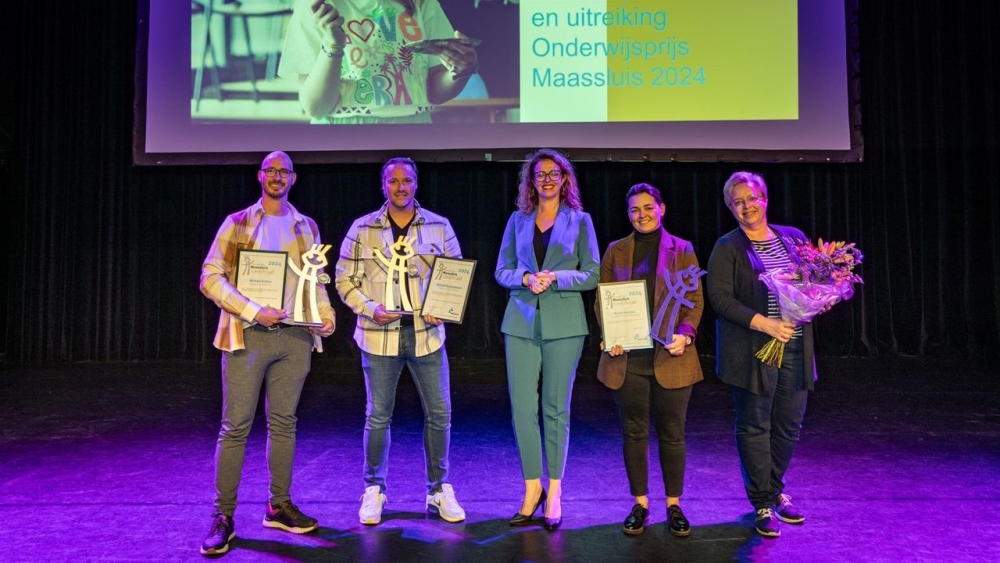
pixel 523 520
pixel 552 524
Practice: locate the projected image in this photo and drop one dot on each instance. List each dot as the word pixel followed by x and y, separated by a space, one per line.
pixel 355 61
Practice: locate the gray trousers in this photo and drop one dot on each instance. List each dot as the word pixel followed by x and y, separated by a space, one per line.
pixel 280 360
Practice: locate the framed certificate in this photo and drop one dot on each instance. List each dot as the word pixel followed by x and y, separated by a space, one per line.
pixel 260 276
pixel 624 314
pixel 448 288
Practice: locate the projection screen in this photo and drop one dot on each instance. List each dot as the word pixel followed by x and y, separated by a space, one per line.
pixel 663 80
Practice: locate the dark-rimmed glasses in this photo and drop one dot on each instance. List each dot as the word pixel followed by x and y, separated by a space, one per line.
pixel 554 174
pixel 282 172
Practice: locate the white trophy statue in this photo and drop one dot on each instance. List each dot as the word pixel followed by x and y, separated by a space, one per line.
pixel 401 251
pixel 313 261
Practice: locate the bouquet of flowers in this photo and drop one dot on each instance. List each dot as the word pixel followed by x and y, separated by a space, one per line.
pixel 819 277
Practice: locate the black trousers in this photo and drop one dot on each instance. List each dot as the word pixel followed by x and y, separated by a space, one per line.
pixel 639 396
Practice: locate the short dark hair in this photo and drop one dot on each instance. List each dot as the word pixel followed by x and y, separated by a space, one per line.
pixel 644 188
pixel 398 160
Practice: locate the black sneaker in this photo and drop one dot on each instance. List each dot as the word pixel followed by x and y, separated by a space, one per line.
pixel 677 522
pixel 219 535
pixel 286 516
pixel 635 524
pixel 787 512
pixel 766 523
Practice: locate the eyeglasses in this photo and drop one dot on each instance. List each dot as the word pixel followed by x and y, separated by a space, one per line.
pixel 283 172
pixel 750 200
pixel 554 174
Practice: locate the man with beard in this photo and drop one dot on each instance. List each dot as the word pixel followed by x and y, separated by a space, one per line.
pixel 382 275
pixel 260 345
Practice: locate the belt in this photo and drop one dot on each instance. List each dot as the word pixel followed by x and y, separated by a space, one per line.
pixel 275 327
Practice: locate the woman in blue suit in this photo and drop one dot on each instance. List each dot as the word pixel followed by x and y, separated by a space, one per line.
pixel 548 257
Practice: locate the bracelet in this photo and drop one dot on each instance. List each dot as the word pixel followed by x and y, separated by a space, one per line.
pixel 332 50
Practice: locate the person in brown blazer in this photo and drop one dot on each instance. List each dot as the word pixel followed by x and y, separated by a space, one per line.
pixel 657 380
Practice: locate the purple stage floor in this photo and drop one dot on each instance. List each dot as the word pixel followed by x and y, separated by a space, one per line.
pixel 899 462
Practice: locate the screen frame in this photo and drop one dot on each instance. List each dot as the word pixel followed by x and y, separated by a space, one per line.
pixel 142 157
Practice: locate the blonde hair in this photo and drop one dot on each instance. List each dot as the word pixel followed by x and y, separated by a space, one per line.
pixel 755 181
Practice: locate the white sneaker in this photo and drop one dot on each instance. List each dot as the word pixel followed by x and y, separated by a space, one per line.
pixel 371 505
pixel 443 502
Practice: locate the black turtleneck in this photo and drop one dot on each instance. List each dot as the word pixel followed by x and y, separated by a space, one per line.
pixel 647 249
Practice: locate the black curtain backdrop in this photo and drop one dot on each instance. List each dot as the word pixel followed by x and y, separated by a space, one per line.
pixel 102 258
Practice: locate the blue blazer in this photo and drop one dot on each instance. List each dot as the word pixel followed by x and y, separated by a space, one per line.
pixel 573 256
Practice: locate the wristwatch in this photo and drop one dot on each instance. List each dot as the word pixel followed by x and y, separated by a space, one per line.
pixel 688 340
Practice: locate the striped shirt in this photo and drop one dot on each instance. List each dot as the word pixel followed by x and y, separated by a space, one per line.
pixel 774 256
pixel 361 277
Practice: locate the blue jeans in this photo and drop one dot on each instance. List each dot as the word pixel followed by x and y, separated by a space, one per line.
pixel 431 375
pixel 280 360
pixel 768 428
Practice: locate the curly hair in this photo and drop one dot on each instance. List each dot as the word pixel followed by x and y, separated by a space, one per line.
pixel 527 195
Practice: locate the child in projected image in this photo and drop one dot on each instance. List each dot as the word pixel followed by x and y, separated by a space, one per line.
pixel 352 64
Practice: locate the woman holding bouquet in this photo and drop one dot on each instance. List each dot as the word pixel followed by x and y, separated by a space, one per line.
pixel 769 402
pixel 658 379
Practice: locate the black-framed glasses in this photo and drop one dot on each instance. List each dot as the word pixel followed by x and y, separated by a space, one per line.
pixel 282 172
pixel 748 201
pixel 554 174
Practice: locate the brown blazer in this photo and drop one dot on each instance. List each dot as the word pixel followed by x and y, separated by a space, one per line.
pixel 672 372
